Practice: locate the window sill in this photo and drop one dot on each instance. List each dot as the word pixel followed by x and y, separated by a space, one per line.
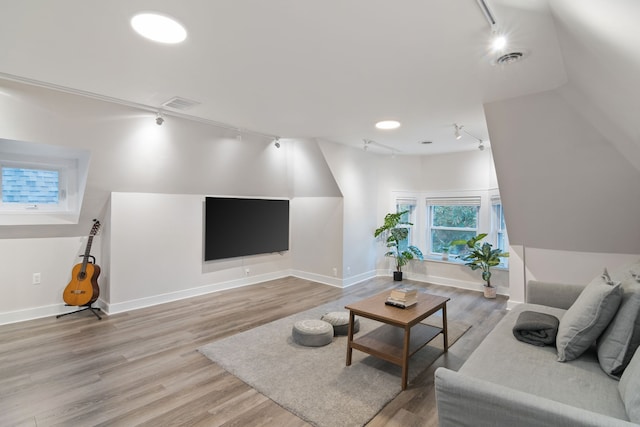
pixel 455 261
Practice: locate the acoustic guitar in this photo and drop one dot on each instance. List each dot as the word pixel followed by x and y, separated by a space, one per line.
pixel 83 288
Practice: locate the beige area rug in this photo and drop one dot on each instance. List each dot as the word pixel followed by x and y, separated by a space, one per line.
pixel 313 382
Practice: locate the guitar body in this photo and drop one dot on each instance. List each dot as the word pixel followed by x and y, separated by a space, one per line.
pixel 83 288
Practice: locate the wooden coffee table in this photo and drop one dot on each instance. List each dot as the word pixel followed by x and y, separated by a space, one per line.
pixel 402 334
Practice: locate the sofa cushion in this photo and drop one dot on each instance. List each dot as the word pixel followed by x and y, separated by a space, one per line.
pixel 587 317
pixel 502 359
pixel 619 341
pixel 629 388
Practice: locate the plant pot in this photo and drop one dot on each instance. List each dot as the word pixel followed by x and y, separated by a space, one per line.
pixel 490 292
pixel 397 276
pixel 445 256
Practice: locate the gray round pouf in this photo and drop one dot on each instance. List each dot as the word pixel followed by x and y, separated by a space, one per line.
pixel 340 322
pixel 312 333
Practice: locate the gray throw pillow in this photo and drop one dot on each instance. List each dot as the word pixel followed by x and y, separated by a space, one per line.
pixel 587 318
pixel 619 341
pixel 629 388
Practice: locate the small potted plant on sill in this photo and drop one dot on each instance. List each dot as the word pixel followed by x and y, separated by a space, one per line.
pixel 394 231
pixel 445 253
pixel 482 257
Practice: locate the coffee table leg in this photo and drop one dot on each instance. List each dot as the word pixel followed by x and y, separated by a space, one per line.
pixel 350 337
pixel 405 356
pixel 445 335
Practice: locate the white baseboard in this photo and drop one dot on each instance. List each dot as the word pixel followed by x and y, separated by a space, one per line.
pixel 107 308
pixel 40 312
pixel 193 292
pixel 444 281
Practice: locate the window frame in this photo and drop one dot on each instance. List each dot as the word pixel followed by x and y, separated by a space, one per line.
pixel 72 165
pixel 64 186
pixel 420 231
pixel 449 201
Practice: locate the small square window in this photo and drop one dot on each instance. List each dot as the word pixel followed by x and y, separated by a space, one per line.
pixel 30 186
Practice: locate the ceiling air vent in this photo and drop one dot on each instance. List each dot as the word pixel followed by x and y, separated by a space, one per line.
pixel 180 103
pixel 509 58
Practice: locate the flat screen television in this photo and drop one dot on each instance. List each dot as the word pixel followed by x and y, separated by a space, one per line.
pixel 235 227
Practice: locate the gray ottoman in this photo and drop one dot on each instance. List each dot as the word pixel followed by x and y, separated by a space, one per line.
pixel 312 333
pixel 340 322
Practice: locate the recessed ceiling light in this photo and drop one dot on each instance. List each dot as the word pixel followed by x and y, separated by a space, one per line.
pixel 159 28
pixel 388 124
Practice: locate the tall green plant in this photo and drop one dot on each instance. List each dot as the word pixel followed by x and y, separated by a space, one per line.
pixel 479 256
pixel 393 231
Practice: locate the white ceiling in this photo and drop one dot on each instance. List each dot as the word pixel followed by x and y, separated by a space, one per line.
pixel 328 69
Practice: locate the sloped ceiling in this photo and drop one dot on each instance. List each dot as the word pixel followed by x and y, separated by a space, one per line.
pixel 312 69
pixel 600 44
pixel 568 160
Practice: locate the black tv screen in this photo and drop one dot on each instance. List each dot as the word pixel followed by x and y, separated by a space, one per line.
pixel 238 227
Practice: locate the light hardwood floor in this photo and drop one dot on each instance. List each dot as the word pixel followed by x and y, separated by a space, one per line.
pixel 142 367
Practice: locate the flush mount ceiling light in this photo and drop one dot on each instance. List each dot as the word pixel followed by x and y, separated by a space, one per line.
pixel 388 124
pixel 159 28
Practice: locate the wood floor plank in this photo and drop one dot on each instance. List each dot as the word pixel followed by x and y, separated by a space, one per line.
pixel 142 367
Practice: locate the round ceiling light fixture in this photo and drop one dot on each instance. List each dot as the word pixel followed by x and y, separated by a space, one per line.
pixel 159 28
pixel 388 124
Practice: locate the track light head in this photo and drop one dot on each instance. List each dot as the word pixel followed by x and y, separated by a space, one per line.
pixel 276 142
pixel 457 133
pixel 481 146
pixel 159 119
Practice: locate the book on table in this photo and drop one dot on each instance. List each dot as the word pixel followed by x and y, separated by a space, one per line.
pixel 403 293
pixel 406 303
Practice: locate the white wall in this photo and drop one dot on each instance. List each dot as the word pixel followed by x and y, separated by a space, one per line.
pixel 566 189
pixel 54 259
pixel 149 168
pixel 156 253
pixel 368 180
pixel 316 239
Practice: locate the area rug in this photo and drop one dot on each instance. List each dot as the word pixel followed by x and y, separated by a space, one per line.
pixel 313 382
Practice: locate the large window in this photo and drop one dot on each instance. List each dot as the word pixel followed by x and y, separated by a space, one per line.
pixel 440 218
pixel 449 220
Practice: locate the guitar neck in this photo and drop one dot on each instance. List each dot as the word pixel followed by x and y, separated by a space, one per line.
pixel 86 255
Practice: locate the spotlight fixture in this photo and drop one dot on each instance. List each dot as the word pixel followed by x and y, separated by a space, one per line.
pixel 276 142
pixel 457 130
pixel 458 135
pixel 159 119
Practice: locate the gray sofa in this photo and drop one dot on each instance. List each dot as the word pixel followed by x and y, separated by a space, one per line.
pixel 506 382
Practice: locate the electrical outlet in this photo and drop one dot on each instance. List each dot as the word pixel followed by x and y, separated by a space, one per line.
pixel 335 272
pixel 246 271
pixel 36 278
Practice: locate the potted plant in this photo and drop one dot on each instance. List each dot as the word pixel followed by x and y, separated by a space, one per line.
pixel 481 256
pixel 445 253
pixel 394 231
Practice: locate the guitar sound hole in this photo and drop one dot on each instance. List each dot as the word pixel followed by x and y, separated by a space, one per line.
pixel 82 276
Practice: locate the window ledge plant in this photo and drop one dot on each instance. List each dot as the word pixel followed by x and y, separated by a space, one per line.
pixel 481 257
pixel 394 231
